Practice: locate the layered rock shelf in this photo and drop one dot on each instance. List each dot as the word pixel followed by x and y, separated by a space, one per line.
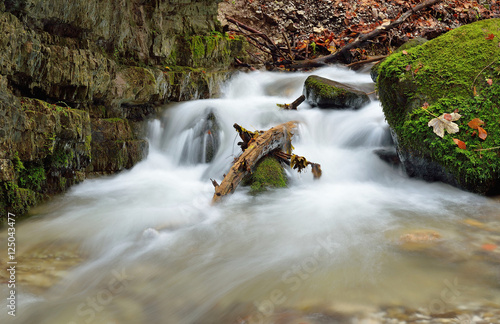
pixel 78 80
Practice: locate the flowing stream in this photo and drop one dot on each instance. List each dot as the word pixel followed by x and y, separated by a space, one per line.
pixel 147 246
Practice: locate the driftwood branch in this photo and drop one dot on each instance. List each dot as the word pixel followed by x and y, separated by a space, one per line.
pixel 290 54
pixel 362 38
pixel 369 60
pixel 278 137
pixel 294 104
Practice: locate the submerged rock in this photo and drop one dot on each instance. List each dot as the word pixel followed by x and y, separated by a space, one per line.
pixel 417 240
pixel 388 155
pixel 203 143
pixel 457 71
pixel 324 93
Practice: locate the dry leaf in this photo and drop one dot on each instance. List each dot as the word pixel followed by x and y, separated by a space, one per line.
pixel 475 91
pixel 490 81
pixel 440 124
pixel 475 123
pixel 404 52
pixel 460 143
pixel 490 37
pixel 482 133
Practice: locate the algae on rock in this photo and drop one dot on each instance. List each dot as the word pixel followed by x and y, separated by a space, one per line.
pixel 324 93
pixel 449 73
pixel 269 173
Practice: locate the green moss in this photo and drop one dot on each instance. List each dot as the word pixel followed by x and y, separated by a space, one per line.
pixel 268 173
pixel 446 67
pixel 17 200
pixel 61 158
pixel 197 46
pixel 32 177
pixel 88 145
pixel 62 183
pixel 114 120
pixel 444 72
pixel 324 90
pixel 18 164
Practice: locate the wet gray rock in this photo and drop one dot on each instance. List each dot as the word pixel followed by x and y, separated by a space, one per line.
pixel 388 155
pixel 324 93
pixel 203 143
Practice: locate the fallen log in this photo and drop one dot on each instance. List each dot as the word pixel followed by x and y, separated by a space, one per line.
pixel 344 52
pixel 278 137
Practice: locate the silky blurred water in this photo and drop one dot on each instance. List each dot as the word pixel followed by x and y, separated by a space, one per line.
pixel 157 251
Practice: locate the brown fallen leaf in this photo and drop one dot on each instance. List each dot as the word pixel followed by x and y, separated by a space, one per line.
pixel 482 133
pixel 475 123
pixel 460 143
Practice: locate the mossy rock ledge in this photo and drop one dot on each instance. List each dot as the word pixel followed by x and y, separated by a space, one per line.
pixel 459 70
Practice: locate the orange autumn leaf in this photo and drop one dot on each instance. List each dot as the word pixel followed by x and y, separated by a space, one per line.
pixel 460 143
pixel 475 123
pixel 490 37
pixel 481 133
pixel 404 52
pixel 489 81
pixel 488 247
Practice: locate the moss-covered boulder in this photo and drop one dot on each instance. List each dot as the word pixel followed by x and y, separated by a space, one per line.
pixel 325 93
pixel 458 71
pixel 406 46
pixel 268 174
